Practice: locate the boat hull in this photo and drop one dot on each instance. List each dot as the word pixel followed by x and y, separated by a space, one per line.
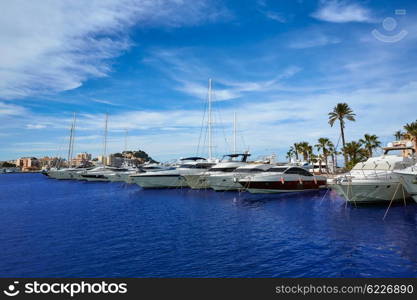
pixel 269 187
pixel 197 182
pixel 410 184
pixel 98 177
pixel 370 192
pixel 160 181
pixel 223 183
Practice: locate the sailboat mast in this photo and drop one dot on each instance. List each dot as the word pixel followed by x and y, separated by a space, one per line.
pixel 234 132
pixel 105 140
pixel 70 141
pixel 73 136
pixel 210 144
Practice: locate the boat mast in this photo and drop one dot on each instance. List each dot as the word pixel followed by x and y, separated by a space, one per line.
pixel 71 144
pixel 210 145
pixel 73 136
pixel 234 132
pixel 105 140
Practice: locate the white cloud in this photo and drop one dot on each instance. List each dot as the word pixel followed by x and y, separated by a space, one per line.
pixel 276 16
pixel 35 126
pixel 339 11
pixel 311 39
pixel 11 110
pixel 51 46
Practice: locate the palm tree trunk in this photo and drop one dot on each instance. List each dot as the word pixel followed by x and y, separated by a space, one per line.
pixel 343 141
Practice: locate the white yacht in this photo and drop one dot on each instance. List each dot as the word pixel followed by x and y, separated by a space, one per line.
pixel 283 179
pixel 172 178
pixel 66 173
pixel 226 181
pixel 376 179
pixel 409 180
pixel 228 164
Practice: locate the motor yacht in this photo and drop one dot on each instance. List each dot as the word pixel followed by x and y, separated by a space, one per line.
pixel 172 178
pixel 376 179
pixel 409 180
pixel 66 173
pixel 100 173
pixel 227 164
pixel 229 181
pixel 282 179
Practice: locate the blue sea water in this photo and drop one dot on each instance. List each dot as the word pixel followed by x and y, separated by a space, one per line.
pixel 51 228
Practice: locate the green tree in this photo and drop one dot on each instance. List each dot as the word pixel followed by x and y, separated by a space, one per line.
pixel 290 153
pixel 398 135
pixel 370 142
pixel 341 112
pixel 324 145
pixel 355 152
pixel 297 150
pixel 411 132
pixel 305 149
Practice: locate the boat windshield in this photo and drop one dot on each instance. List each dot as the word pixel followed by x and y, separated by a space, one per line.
pixel 196 166
pixel 380 166
pixel 277 169
pixel 253 170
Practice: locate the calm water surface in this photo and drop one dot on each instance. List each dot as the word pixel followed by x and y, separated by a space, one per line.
pixel 51 228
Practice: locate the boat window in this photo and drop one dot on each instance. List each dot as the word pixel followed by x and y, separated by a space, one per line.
pixel 278 170
pixel 298 171
pixel 222 169
pixel 187 166
pixel 203 166
pixel 254 170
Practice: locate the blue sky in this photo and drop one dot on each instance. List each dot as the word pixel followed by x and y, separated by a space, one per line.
pixel 280 65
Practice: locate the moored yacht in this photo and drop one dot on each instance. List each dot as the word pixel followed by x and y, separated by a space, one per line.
pixel 228 164
pixel 376 179
pixel 172 178
pixel 409 180
pixel 283 179
pixel 229 181
pixel 66 173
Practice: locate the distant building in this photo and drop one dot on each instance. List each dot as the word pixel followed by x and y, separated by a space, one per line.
pixel 101 159
pixel 28 164
pixel 81 159
pixel 49 162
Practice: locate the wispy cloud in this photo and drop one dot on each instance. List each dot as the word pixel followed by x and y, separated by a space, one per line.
pixel 310 39
pixel 11 110
pixel 52 46
pixel 340 11
pixel 35 126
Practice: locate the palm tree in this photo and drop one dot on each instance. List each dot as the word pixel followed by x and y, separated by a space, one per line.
pixel 305 150
pixel 370 142
pixel 290 153
pixel 398 135
pixel 333 153
pixel 411 131
pixel 324 145
pixel 355 152
pixel 296 150
pixel 341 112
